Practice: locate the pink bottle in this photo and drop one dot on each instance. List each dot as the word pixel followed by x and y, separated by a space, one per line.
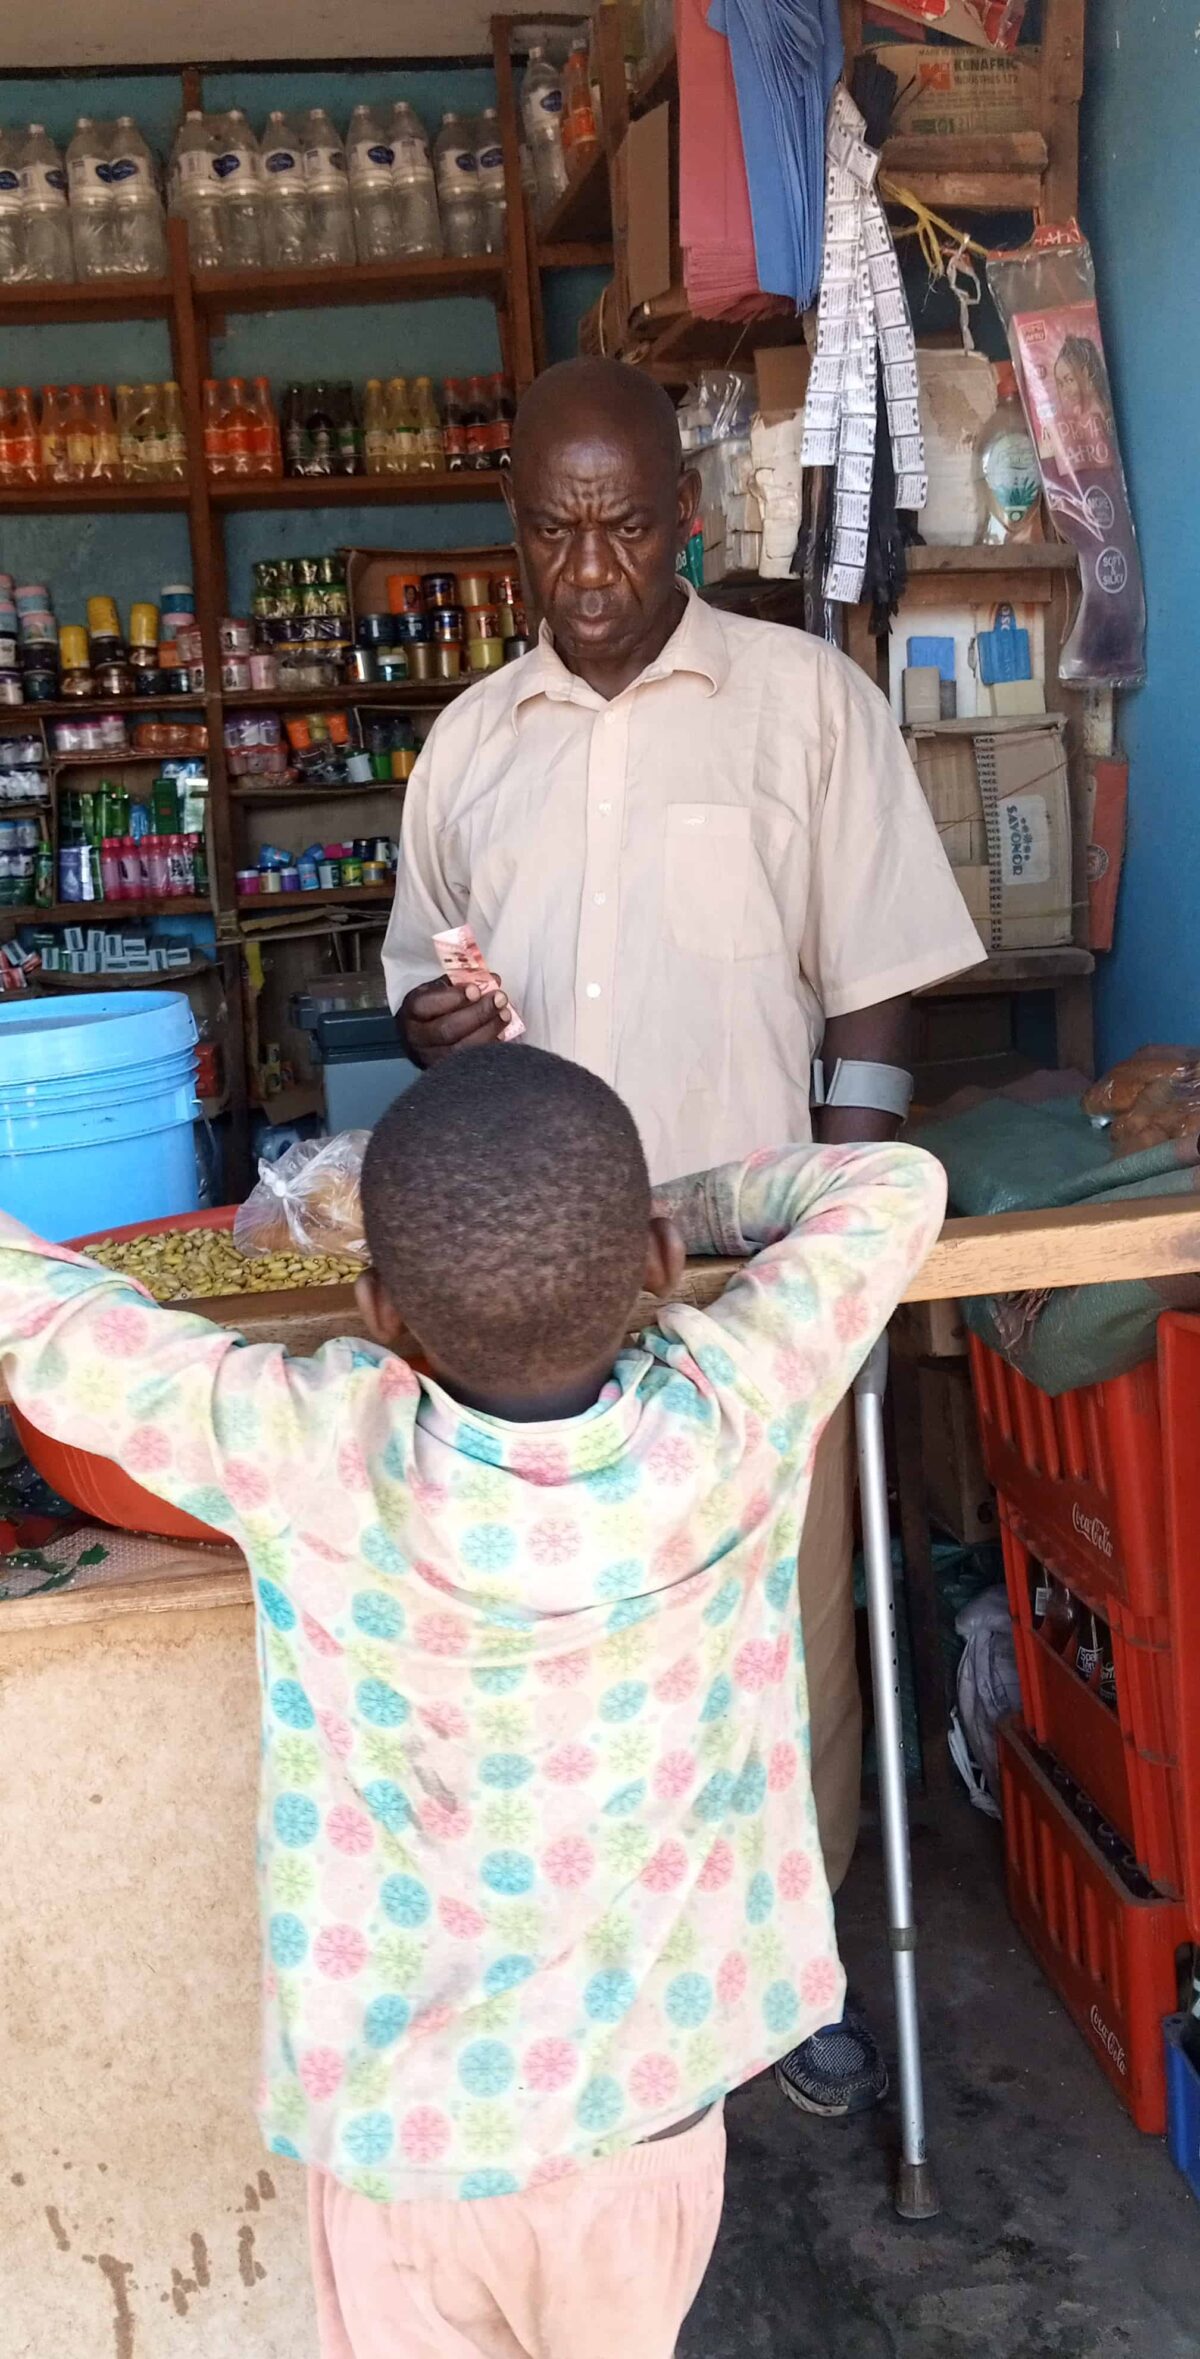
pixel 111 884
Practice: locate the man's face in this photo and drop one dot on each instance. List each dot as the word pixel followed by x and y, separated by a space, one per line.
pixel 600 524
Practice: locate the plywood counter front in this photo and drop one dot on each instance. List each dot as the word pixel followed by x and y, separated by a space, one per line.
pixel 140 2218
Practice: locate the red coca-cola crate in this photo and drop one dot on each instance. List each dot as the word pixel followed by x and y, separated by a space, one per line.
pixel 1179 1372
pixel 1110 1955
pixel 1126 1759
pixel 1084 1471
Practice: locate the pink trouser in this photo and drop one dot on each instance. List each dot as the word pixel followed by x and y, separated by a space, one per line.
pixel 608 2259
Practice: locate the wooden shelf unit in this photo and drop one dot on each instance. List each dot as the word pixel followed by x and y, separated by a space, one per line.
pixel 193 307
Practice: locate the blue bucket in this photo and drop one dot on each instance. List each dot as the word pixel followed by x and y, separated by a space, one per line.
pixel 97 1103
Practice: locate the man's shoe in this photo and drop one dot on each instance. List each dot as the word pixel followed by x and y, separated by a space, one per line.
pixel 838 2071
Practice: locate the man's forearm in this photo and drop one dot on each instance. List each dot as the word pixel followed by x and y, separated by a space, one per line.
pixel 879 1035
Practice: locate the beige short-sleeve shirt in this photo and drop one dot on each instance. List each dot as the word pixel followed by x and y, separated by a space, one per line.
pixel 680 885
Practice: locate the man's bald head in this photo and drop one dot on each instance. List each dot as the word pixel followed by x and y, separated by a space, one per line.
pixel 588 400
pixel 602 508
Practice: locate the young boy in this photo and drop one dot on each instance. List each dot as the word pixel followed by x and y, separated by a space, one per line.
pixel 540 1872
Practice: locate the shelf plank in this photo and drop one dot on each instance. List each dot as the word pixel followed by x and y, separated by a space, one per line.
pixel 33 306
pixel 261 791
pixel 582 214
pixel 1015 970
pixel 996 172
pixel 291 904
pixel 412 696
pixel 1006 557
pixel 77 708
pixel 47 980
pixel 355 491
pixel 658 79
pixel 71 913
pixel 582 254
pixel 423 279
pixel 83 499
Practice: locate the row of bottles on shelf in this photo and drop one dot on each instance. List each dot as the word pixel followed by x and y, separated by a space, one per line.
pixel 97 213
pixel 394 428
pixel 82 434
pixel 303 197
pixel 114 847
pixel 559 116
pixel 1081 1637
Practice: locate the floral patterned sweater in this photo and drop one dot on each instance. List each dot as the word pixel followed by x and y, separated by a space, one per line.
pixel 537 1849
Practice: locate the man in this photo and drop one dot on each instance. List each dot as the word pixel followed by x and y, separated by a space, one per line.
pixel 695 850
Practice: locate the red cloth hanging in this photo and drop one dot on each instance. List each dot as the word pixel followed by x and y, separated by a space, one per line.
pixel 715 231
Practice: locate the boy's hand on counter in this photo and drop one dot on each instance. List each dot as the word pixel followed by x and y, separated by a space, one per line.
pixel 438 1017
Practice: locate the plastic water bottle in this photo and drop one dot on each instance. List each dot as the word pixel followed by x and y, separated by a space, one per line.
pixel 541 108
pixel 458 187
pixel 489 161
pixel 372 195
pixel 238 167
pixel 12 231
pixel 330 221
pixel 285 199
pixel 196 192
pixel 91 200
pixel 139 237
pixel 44 213
pixel 420 223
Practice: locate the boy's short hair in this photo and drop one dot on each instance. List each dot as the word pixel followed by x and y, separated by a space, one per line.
pixel 506 1201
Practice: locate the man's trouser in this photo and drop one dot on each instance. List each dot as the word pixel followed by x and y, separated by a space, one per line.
pixel 826 1574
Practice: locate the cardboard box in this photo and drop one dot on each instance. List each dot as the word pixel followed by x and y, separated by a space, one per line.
pixel 782 373
pixel 958 1494
pixel 1000 797
pixel 642 210
pixel 1108 797
pixel 956 90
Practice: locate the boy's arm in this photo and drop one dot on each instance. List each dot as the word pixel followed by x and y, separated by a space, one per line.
pixel 835 1234
pixel 237 1435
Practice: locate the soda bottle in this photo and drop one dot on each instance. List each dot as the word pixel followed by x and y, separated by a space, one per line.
pixel 477 421
pixel 348 445
pixel 402 428
pixel 152 424
pixel 489 161
pixel 237 423
pixel 77 436
pixel 91 205
pixel 330 220
pixel 458 187
pixel 199 858
pixel 139 234
pixel 111 882
pixel 419 223
pixel 431 445
pixel 180 870
pixel 48 253
pixel 504 410
pixel 372 191
pixel 106 447
pixel 22 447
pixel 578 115
pixel 1088 1654
pixel 268 449
pixel 196 191
pixel 375 428
pixel 216 454
pixel 12 230
pixel 1062 1617
pixel 285 199
pixel 238 169
pixel 455 429
pixel 7 473
pixel 292 430
pixel 174 436
pixel 541 110
pixel 320 426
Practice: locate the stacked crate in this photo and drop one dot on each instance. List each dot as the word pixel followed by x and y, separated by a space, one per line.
pixel 1099 1493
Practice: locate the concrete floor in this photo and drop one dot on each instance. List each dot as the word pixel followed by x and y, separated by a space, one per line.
pixel 1064 2234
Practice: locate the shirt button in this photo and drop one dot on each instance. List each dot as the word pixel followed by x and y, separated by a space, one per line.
pixel 593 991
pixel 604 809
pixel 600 899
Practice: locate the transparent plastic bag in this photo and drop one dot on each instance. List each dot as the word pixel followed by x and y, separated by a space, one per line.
pixel 1046 296
pixel 1118 1090
pixel 308 1202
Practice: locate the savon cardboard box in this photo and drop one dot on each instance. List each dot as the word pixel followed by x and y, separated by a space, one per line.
pixel 1000 798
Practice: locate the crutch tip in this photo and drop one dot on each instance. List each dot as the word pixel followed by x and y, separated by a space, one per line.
pixel 917 2197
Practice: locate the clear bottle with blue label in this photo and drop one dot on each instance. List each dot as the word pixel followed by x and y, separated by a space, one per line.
pixel 541 110
pixel 237 165
pixel 420 221
pixel 493 196
pixel 370 158
pixel 285 198
pixel 196 191
pixel 330 219
pixel 12 233
pixel 47 225
pixel 138 231
pixel 458 187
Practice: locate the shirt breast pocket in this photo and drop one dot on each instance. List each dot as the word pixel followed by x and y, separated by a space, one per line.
pixel 718 901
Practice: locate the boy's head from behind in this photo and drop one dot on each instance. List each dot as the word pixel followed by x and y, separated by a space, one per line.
pixel 507 1211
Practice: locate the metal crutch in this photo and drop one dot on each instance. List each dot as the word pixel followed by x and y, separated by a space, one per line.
pixel 916 2194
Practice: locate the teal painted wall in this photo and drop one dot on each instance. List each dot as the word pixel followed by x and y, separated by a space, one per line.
pixel 132 558
pixel 1141 208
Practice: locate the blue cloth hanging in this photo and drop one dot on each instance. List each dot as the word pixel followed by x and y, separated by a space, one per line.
pixel 787 56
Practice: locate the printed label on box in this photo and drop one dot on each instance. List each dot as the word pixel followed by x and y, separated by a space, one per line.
pixel 1024 840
